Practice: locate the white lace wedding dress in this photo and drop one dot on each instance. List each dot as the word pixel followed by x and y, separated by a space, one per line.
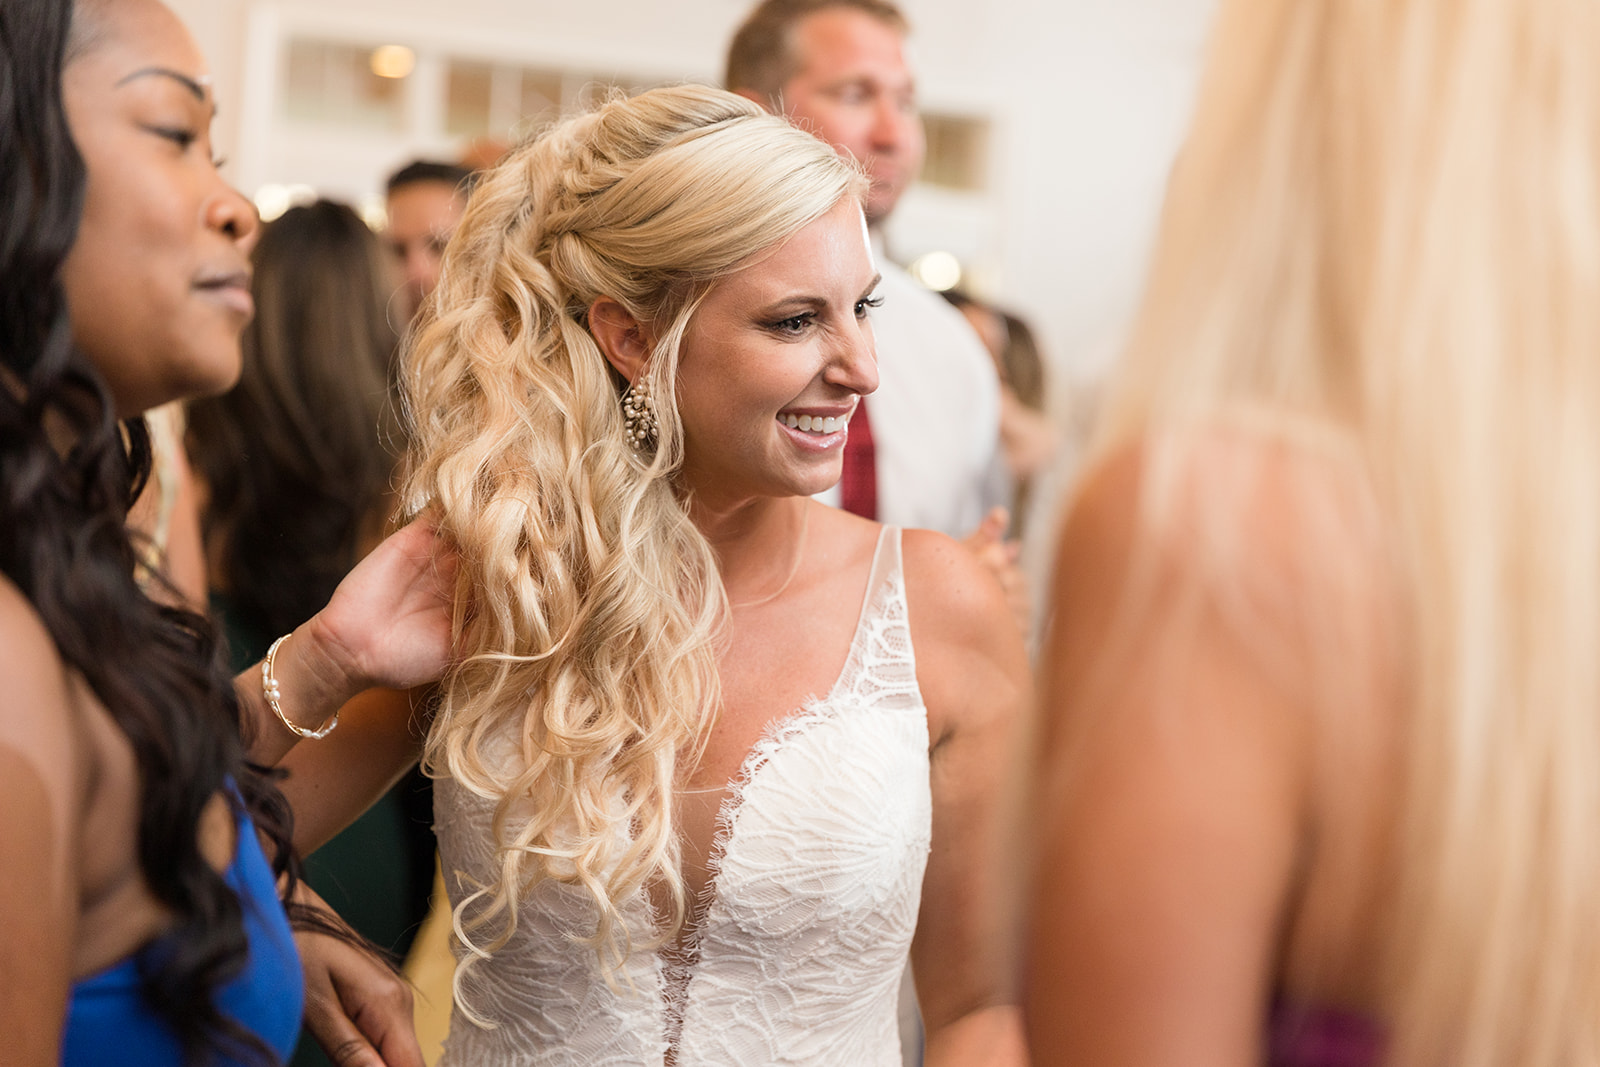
pixel 816 877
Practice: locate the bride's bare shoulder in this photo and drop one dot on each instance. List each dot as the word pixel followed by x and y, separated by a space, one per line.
pixel 972 665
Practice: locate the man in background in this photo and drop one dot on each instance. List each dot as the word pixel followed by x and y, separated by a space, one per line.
pixel 838 68
pixel 425 202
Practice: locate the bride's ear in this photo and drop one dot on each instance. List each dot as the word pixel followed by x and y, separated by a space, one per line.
pixel 624 340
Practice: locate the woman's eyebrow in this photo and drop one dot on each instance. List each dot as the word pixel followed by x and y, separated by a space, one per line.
pixel 196 88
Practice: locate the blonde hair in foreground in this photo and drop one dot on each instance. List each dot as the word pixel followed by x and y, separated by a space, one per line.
pixel 1387 223
pixel 590 607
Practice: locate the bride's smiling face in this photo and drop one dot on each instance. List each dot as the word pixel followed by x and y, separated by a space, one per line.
pixel 775 361
pixel 158 279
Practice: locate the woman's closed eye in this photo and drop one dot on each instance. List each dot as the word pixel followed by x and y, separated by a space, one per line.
pixel 185 139
pixel 181 136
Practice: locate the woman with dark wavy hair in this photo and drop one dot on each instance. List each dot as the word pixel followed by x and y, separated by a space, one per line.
pixel 139 909
pixel 297 467
pixel 298 459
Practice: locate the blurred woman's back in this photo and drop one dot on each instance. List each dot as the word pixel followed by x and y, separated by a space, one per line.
pixel 1356 444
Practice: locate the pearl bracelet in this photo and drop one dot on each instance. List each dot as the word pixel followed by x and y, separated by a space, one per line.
pixel 269 689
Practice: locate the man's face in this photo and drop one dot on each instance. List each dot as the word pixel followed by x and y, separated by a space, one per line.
pixel 422 216
pixel 854 90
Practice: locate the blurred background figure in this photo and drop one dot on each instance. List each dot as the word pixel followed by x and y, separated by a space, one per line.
pixel 1028 437
pixel 424 201
pixel 297 458
pixel 295 465
pixel 165 519
pixel 929 456
pixel 1322 732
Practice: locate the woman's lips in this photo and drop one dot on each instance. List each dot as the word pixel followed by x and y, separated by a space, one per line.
pixel 229 288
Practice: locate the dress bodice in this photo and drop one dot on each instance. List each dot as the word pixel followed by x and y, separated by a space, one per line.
pixel 816 877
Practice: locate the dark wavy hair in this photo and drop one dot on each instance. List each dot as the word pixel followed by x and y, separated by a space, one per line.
pixel 299 457
pixel 64 542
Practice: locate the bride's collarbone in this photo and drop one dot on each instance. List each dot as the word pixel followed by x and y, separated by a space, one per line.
pixel 782 654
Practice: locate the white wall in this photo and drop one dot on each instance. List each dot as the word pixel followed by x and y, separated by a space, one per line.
pixel 1088 98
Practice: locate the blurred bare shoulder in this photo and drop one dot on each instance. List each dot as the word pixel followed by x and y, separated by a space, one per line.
pixel 1271 536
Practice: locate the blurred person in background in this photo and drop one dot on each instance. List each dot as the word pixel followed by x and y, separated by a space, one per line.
pixel 1029 438
pixel 1322 733
pixel 296 465
pixel 297 459
pixel 424 200
pixel 926 452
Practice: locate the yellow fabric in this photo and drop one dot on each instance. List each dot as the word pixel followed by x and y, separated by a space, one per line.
pixel 429 967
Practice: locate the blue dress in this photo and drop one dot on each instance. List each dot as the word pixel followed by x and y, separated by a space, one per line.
pixel 109 1023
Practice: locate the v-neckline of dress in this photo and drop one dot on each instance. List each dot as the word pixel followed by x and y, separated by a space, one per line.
pixel 681 961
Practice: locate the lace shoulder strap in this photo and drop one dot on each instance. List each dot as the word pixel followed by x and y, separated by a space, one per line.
pixel 885 561
pixel 882 667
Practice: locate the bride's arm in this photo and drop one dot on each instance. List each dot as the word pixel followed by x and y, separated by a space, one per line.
pixel 974 676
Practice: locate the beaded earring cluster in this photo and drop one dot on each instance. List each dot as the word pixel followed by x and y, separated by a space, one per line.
pixel 639 422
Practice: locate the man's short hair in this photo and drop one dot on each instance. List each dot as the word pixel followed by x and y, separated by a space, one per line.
pixel 429 170
pixel 761 56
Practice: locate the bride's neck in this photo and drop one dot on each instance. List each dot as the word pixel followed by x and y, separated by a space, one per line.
pixel 756 544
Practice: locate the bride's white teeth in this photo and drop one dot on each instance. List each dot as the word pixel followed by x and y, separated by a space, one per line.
pixel 818 424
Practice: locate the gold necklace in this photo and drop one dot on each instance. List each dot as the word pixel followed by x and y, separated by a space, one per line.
pixel 794 568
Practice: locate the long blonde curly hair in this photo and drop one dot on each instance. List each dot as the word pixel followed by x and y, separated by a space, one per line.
pixel 589 608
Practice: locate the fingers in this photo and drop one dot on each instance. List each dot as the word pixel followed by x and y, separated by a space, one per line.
pixel 358 1010
pixel 991 531
pixel 988 543
pixel 389 622
pixel 377 1033
pixel 384 1020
